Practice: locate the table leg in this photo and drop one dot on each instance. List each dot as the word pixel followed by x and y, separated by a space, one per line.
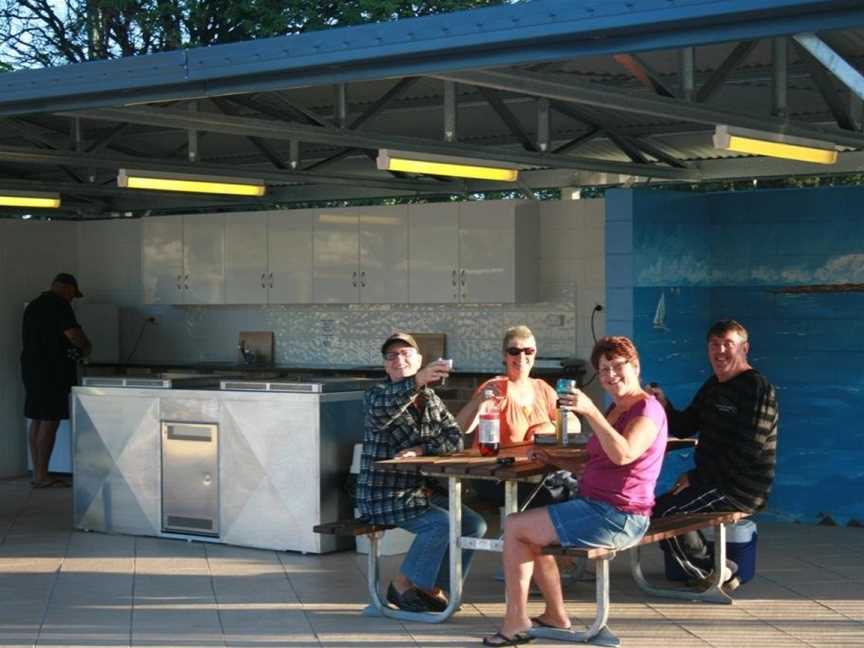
pixel 454 504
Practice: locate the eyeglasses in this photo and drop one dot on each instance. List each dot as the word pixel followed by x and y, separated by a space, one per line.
pixel 407 353
pixel 515 351
pixel 613 367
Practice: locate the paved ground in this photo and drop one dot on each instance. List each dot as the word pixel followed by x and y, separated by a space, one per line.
pixel 59 587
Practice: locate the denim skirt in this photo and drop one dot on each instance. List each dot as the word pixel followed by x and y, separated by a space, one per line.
pixel 582 522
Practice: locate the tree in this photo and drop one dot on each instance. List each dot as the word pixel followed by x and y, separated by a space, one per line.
pixel 46 33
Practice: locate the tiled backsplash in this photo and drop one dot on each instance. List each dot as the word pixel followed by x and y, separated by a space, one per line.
pixel 345 336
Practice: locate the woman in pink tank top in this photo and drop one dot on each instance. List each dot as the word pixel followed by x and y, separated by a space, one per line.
pixel 616 490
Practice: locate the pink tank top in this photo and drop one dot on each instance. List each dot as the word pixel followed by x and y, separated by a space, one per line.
pixel 628 488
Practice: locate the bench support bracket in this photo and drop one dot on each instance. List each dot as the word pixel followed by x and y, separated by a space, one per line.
pixel 713 594
pixel 598 634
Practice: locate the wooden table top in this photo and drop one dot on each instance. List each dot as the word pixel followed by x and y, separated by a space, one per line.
pixel 470 463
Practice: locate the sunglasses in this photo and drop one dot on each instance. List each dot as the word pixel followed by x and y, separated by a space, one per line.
pixel 515 351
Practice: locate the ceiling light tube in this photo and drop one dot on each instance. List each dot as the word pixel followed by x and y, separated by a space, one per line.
pixel 443 165
pixel 164 181
pixel 744 140
pixel 15 198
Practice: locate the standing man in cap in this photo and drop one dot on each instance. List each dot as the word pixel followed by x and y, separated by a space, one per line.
pixel 53 341
pixel 405 418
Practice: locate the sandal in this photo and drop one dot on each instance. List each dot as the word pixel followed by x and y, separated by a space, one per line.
pixel 540 623
pixel 499 639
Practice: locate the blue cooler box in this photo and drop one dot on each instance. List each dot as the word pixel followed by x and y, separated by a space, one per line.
pixel 740 548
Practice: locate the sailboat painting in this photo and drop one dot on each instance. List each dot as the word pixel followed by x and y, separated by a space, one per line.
pixel 660 313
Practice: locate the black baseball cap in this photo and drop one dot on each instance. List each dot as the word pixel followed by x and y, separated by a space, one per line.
pixel 69 280
pixel 399 337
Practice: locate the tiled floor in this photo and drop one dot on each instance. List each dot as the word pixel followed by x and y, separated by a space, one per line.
pixel 59 587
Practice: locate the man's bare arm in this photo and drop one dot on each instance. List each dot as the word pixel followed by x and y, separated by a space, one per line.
pixel 77 337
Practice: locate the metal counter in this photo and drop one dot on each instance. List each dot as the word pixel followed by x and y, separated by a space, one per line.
pixel 283 459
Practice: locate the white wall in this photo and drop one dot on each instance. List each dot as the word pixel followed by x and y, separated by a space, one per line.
pixel 572 262
pixel 31 253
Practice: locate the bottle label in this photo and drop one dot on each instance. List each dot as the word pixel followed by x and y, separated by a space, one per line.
pixel 489 430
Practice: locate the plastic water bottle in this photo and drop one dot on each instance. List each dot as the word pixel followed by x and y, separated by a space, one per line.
pixel 489 431
pixel 568 423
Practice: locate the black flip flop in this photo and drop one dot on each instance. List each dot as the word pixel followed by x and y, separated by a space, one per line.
pixel 499 639
pixel 540 623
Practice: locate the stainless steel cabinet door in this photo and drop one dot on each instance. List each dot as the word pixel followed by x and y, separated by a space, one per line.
pixel 190 477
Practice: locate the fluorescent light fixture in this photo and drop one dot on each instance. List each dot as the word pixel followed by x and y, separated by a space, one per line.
pixel 163 181
pixel 15 198
pixel 443 165
pixel 745 140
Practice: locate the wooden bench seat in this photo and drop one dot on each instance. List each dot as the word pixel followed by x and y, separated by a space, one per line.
pixel 351 527
pixel 660 529
pixel 598 633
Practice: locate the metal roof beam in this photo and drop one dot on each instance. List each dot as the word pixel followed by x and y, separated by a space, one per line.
pixel 39 156
pixel 578 141
pixel 711 85
pixel 383 101
pixel 450 107
pixel 646 75
pixel 508 118
pixel 262 146
pixel 629 145
pixel 825 85
pixel 833 62
pixel 568 91
pixel 368 140
pixel 779 77
pixel 370 112
pixel 686 72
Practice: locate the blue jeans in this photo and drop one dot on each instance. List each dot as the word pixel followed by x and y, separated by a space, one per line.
pixel 427 562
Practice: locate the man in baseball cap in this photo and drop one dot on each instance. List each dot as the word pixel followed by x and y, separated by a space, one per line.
pixel 52 342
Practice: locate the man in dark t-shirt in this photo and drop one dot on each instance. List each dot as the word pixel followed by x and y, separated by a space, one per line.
pixel 52 342
pixel 736 416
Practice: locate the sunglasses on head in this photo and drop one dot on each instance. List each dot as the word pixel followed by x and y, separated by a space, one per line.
pixel 515 351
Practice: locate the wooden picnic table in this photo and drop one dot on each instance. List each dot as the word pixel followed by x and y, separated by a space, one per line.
pixel 470 464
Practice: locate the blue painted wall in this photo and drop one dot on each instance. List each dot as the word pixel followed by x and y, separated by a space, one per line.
pixel 709 256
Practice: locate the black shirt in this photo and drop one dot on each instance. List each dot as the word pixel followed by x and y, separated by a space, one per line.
pixel 737 423
pixel 45 359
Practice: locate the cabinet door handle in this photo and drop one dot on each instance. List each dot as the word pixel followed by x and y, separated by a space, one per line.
pixel 454 279
pixel 179 281
pixel 263 275
pixel 463 277
pixel 354 279
pixel 363 279
pixel 271 279
pixel 186 282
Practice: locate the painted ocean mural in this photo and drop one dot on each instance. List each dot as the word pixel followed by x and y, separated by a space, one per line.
pixel 788 264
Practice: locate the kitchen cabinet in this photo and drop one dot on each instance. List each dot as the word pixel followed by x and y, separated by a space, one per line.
pixel 162 260
pixel 361 255
pixel 289 256
pixel 183 259
pixel 109 261
pixel 473 252
pixel 246 266
pixel 268 257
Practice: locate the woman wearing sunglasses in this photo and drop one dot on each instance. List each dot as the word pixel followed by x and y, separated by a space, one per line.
pixel 527 404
